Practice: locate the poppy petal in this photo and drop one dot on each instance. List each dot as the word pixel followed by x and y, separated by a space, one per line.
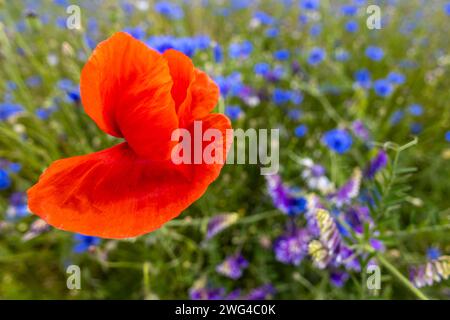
pixel 116 194
pixel 125 86
pixel 194 93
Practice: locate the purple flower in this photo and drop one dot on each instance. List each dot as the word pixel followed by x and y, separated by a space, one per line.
pixel 357 217
pixel 292 247
pixel 261 293
pixel 232 266
pixel 203 293
pixel 338 278
pixel 219 222
pixel 18 206
pixel 349 190
pixel 432 272
pixel 376 164
pixel 360 130
pixel 283 198
pixel 325 250
pixel 377 244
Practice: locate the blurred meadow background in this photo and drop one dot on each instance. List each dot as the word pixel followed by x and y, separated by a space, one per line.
pixel 364 119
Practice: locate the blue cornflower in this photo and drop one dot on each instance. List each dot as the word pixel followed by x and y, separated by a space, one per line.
pixel 11 85
pixel 342 55
pixel 136 32
pixel 447 8
pixel 351 26
pixel 301 130
pixel 433 253
pixel 383 88
pixel 84 243
pixel 294 114
pixel 202 41
pixel 230 85
pixel 72 90
pixel 338 140
pixel 315 30
pixel 240 50
pixel 18 206
pixel 261 68
pixel 416 128
pixel 218 53
pixel 296 97
pixel 316 56
pixel 234 112
pixel 310 4
pixel 415 109
pixel 396 117
pixel 363 78
pixel 281 54
pixel 272 32
pixel 374 53
pixel 44 113
pixel 447 136
pixel 281 96
pixel 162 43
pixel 9 110
pixel 5 180
pixel 396 78
pixel 169 9
pixel 349 10
pixel 263 18
pixel 34 81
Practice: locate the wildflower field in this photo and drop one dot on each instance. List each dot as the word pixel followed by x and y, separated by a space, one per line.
pixel 359 207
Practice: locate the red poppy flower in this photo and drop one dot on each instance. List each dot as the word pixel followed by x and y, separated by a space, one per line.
pixel 138 94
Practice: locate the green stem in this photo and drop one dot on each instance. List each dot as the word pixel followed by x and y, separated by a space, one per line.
pixel 397 274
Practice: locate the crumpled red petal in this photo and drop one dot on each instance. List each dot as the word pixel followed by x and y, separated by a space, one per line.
pixel 133 92
pixel 115 194
pixel 125 88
